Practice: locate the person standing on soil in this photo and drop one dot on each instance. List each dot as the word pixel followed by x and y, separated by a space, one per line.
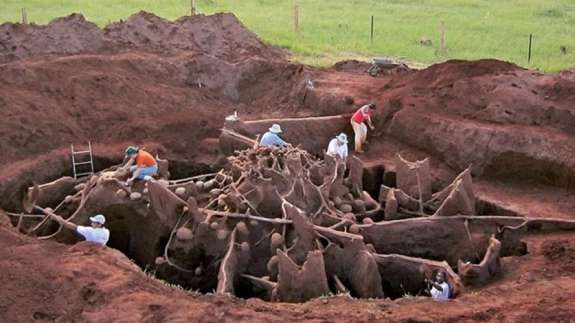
pixel 146 165
pixel 94 233
pixel 358 123
pixel 272 138
pixel 439 289
pixel 338 147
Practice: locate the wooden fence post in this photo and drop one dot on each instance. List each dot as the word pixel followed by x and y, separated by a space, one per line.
pixel 371 30
pixel 442 37
pixel 24 16
pixel 529 55
pixel 296 18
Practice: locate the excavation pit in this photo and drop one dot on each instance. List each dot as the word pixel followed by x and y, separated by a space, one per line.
pixel 282 225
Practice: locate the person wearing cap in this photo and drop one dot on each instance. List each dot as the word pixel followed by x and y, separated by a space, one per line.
pixel 358 123
pixel 338 146
pixel 145 165
pixel 93 233
pixel 272 138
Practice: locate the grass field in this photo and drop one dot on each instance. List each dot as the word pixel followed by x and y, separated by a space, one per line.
pixel 332 30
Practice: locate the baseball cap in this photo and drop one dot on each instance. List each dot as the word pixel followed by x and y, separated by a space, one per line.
pixel 100 219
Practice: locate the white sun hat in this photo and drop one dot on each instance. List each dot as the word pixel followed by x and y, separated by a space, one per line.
pixel 342 137
pixel 276 128
pixel 98 219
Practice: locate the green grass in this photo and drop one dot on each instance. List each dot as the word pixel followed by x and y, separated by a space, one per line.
pixel 332 30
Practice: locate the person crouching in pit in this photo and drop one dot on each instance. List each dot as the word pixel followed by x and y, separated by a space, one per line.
pixel 145 165
pixel 272 137
pixel 438 289
pixel 358 123
pixel 338 147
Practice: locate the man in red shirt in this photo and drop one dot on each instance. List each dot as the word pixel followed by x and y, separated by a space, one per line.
pixel 145 167
pixel 358 123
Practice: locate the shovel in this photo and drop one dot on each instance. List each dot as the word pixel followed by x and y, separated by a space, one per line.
pixel 247 140
pixel 29 202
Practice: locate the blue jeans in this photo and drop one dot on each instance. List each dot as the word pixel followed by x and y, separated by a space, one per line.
pixel 145 171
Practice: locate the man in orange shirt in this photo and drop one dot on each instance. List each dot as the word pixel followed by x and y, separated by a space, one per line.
pixel 358 121
pixel 145 165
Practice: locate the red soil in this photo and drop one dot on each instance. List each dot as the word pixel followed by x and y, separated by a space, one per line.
pixel 168 85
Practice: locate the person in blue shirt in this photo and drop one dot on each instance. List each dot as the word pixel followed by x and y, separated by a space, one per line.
pixel 272 138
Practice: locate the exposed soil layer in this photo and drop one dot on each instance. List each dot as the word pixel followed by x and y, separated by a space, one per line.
pixel 167 86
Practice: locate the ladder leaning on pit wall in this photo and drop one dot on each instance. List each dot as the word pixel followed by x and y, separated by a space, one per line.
pixel 81 159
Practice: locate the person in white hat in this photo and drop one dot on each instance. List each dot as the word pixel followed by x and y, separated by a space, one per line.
pixel 338 146
pixel 94 233
pixel 272 138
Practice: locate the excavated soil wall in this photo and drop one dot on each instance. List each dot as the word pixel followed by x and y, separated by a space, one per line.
pixel 492 150
pixel 505 121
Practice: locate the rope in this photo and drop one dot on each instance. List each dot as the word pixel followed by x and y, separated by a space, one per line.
pixel 166 248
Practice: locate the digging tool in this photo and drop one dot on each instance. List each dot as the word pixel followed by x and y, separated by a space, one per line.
pixel 30 198
pixel 240 137
pixel 29 203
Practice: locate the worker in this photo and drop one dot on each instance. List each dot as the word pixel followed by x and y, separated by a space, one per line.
pixel 358 121
pixel 94 233
pixel 272 138
pixel 145 165
pixel 439 289
pixel 338 146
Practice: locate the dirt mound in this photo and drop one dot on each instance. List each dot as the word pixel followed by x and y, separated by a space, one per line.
pixel 442 74
pixel 63 36
pixel 221 35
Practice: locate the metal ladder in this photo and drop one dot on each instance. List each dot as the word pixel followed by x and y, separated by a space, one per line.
pixel 82 163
